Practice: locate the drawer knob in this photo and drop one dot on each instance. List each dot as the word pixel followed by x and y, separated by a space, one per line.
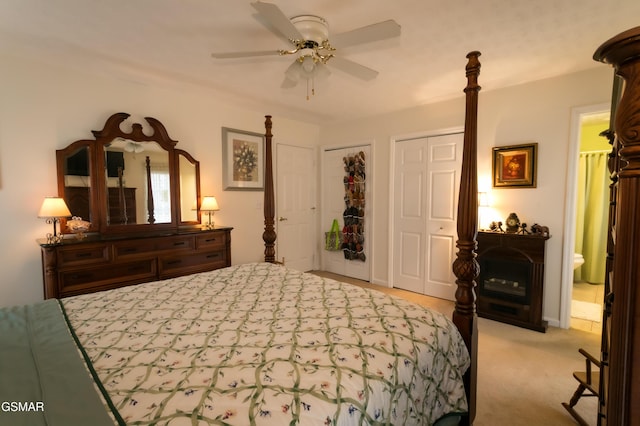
pixel 85 277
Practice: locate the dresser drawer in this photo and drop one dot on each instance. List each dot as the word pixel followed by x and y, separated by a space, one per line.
pixel 133 247
pixel 171 266
pixel 82 255
pixel 122 249
pixel 217 239
pixel 76 281
pixel 176 243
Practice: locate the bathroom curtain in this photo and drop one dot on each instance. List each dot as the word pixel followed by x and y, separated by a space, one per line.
pixel 592 216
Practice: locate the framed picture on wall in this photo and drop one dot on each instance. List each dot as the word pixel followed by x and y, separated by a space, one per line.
pixel 242 160
pixel 514 166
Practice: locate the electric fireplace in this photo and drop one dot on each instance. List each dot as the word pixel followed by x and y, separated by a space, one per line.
pixel 511 281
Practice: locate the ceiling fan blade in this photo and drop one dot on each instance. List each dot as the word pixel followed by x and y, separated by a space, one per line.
pixel 355 69
pixel 374 32
pixel 277 19
pixel 231 55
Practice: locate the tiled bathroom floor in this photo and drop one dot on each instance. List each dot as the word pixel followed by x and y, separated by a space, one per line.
pixel 586 292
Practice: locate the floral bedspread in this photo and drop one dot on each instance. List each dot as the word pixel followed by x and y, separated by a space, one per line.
pixel 262 344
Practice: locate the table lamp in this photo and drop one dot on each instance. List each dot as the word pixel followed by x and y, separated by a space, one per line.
pixel 52 209
pixel 209 205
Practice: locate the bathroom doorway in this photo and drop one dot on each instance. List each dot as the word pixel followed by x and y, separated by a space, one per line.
pixel 587 216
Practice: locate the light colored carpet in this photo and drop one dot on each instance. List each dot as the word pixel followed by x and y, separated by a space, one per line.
pixel 586 310
pixel 523 375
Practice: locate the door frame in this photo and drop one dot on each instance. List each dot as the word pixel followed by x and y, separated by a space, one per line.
pixel 392 179
pixel 569 237
pixel 370 201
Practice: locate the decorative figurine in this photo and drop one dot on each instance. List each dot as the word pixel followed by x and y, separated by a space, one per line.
pixel 496 227
pixel 540 230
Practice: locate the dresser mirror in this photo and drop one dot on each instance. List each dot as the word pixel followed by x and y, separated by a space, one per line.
pixel 130 181
pixel 189 172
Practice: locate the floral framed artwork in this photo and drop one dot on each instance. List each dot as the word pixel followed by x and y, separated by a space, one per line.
pixel 514 166
pixel 242 160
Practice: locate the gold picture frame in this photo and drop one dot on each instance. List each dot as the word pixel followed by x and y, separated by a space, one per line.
pixel 242 160
pixel 514 166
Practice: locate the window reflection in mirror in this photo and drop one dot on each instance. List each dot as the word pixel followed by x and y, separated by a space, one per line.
pixel 188 190
pixel 138 183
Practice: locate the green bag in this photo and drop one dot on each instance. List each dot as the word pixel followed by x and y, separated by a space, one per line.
pixel 333 238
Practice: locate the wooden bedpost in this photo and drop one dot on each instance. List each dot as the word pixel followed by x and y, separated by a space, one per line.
pixel 269 234
pixel 620 377
pixel 466 267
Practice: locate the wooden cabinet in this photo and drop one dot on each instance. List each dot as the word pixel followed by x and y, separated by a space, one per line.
pixel 77 267
pixel 511 282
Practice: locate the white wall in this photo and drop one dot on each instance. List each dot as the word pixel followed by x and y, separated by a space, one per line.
pixel 536 112
pixel 44 107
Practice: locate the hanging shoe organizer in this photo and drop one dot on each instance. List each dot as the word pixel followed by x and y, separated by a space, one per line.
pixel 354 199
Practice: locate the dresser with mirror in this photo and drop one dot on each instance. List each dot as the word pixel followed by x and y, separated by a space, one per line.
pixel 141 196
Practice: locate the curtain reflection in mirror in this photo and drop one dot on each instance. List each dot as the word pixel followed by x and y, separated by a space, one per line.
pixel 160 184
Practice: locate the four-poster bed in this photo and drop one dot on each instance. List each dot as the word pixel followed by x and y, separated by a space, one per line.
pixel 255 343
pixel 465 267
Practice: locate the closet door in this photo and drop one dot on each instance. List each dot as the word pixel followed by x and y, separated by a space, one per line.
pixel 341 198
pixel 426 182
pixel 296 206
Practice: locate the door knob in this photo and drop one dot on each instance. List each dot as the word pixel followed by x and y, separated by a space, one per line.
pixel 282 218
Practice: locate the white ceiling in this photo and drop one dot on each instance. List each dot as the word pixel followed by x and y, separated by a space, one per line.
pixel 172 40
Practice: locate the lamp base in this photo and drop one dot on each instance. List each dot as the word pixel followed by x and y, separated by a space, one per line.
pixel 54 238
pixel 207 226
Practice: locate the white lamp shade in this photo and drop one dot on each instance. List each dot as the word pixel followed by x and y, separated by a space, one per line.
pixel 209 204
pixel 54 207
pixel 483 199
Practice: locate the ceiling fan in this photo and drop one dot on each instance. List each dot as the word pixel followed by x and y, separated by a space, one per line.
pixel 309 36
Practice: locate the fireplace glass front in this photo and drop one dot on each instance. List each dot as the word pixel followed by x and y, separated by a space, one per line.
pixel 505 280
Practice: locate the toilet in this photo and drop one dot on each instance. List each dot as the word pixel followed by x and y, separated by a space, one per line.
pixel 578 260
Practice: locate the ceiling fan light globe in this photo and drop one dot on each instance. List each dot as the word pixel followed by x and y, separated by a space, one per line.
pixel 293 71
pixel 134 147
pixel 308 65
pixel 287 83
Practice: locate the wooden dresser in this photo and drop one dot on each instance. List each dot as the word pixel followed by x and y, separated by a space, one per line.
pixel 76 267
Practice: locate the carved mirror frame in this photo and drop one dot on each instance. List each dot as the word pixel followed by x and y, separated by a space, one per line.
pixel 185 214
